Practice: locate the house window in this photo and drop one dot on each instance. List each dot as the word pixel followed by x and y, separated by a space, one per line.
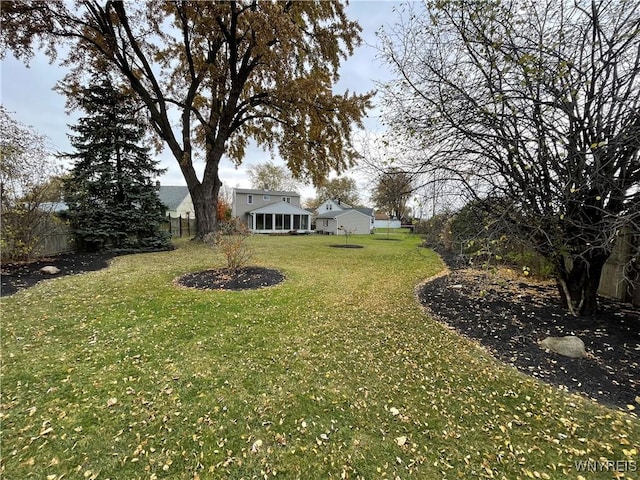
pixel 286 199
pixel 249 199
pixel 300 222
pixel 266 197
pixel 325 223
pixel 264 221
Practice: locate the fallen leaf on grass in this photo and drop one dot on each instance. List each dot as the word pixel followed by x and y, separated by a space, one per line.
pixel 256 446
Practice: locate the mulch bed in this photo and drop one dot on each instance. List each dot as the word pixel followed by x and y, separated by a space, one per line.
pixel 509 316
pixel 17 276
pixel 222 279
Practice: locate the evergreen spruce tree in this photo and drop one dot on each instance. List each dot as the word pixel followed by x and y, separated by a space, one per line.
pixel 113 203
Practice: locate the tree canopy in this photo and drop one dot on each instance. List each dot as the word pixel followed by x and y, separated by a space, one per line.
pixel 213 75
pixel 343 188
pixel 534 103
pixel 392 192
pixel 269 176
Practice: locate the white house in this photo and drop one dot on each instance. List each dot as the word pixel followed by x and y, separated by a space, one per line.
pixel 176 200
pixel 266 211
pixel 337 218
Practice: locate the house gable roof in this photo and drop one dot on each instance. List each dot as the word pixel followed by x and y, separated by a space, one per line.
pixel 339 213
pixel 252 191
pixel 172 196
pixel 367 211
pixel 281 207
pixel 336 202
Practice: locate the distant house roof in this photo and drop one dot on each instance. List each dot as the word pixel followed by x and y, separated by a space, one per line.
pixel 281 207
pixel 266 192
pixel 382 216
pixel 365 210
pixel 172 196
pixel 340 203
pixel 338 213
pixel 55 207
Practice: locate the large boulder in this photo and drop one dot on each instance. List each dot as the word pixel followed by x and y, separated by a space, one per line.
pixel 569 346
pixel 50 270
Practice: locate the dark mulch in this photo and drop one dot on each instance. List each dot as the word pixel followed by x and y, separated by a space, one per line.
pixel 17 276
pixel 222 279
pixel 508 316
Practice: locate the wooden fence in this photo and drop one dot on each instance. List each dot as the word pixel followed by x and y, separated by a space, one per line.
pixel 179 227
pixel 620 279
pixel 56 243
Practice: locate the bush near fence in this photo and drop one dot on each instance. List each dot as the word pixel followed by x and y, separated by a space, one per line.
pixel 29 234
pixel 620 277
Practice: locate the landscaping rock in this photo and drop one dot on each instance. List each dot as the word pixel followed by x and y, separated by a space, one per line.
pixel 50 270
pixel 569 346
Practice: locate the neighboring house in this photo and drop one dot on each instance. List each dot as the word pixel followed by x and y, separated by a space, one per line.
pixel 53 207
pixel 382 220
pixel 337 218
pixel 176 200
pixel 266 211
pixel 331 205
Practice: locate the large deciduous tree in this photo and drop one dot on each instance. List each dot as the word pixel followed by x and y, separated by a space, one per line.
pixel 534 103
pixel 113 202
pixel 392 192
pixel 214 75
pixel 344 189
pixel 269 176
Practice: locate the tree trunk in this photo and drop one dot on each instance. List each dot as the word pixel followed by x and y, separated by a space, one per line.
pixel 578 288
pixel 205 202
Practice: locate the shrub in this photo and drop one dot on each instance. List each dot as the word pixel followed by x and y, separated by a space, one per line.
pixel 231 240
pixel 436 231
pixel 480 233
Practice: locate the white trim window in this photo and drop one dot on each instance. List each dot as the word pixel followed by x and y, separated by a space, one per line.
pixel 250 199
pixel 266 198
pixel 286 199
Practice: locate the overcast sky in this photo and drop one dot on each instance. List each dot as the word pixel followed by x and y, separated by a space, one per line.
pixel 27 93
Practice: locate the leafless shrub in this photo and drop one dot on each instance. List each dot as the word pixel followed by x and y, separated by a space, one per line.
pixel 231 240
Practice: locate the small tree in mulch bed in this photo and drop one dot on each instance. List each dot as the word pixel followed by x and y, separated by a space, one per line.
pixel 231 241
pixel 347 233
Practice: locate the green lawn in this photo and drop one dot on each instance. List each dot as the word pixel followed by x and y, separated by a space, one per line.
pixel 336 373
